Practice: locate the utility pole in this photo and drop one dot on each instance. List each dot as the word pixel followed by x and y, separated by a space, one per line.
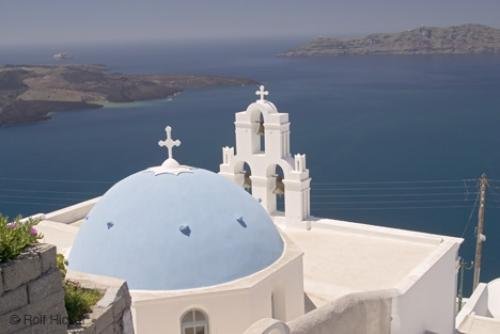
pixel 463 266
pixel 480 237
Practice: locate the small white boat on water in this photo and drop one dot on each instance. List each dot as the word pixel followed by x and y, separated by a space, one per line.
pixel 61 56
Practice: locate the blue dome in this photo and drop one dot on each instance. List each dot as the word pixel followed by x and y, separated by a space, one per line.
pixel 167 232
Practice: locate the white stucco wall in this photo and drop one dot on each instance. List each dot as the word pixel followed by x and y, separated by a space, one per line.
pixel 230 311
pixel 428 304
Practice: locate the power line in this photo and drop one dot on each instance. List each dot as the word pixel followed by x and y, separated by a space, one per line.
pixel 314 183
pixel 466 191
pixel 467 224
pixel 492 188
pixel 396 182
pixel 390 195
pixel 47 191
pixel 52 180
pixel 34 203
pixel 389 208
pixel 385 188
pixel 38 197
pixel 382 202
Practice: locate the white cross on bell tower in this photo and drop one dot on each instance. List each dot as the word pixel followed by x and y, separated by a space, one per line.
pixel 262 92
pixel 169 143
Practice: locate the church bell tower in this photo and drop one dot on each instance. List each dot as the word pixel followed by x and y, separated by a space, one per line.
pixel 262 162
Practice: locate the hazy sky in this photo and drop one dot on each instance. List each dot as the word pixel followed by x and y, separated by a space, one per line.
pixel 55 21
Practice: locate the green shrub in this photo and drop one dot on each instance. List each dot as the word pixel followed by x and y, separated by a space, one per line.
pixel 16 236
pixel 61 264
pixel 79 301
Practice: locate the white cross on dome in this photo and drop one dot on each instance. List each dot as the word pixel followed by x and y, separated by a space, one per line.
pixel 169 143
pixel 170 166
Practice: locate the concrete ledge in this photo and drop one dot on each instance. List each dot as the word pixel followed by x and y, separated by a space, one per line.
pixel 474 324
pixel 60 234
pixel 476 304
pixel 268 326
pixel 110 314
pixel 72 213
pixel 356 313
pixel 366 229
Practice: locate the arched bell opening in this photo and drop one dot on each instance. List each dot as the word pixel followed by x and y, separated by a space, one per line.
pixel 278 191
pixel 258 135
pixel 261 132
pixel 244 173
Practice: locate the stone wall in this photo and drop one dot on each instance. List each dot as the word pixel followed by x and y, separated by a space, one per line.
pixel 32 294
pixel 111 314
pixel 32 298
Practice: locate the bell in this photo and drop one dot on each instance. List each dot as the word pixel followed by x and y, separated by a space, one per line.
pixel 260 129
pixel 280 186
pixel 247 182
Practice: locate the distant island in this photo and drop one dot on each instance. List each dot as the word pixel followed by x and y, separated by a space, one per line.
pixel 462 39
pixel 30 93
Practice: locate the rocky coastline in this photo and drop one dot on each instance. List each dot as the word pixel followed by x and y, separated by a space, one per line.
pixel 462 39
pixel 30 93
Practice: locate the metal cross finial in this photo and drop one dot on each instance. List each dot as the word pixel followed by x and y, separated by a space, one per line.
pixel 262 92
pixel 169 143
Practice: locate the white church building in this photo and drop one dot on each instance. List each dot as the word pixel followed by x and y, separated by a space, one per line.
pixel 217 253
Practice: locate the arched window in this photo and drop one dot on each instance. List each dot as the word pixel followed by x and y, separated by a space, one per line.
pixel 194 322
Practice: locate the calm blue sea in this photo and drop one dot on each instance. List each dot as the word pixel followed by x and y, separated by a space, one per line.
pixel 371 128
